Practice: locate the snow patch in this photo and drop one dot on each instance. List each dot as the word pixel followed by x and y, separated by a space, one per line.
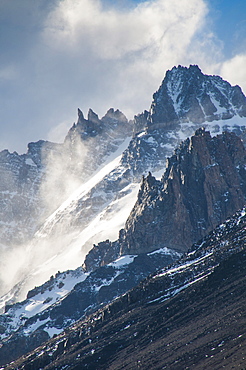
pixel 30 162
pixel 123 261
pixel 52 331
pixel 166 251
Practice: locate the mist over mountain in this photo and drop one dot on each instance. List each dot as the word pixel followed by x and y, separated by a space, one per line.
pixel 117 201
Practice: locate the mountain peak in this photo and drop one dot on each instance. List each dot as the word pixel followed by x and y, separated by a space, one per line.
pixel 114 116
pixel 188 95
pixel 80 116
pixel 192 69
pixel 93 117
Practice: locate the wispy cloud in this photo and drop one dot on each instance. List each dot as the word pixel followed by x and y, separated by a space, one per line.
pixel 80 53
pixel 121 55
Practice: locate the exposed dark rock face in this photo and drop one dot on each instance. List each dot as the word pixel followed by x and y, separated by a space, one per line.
pixel 188 95
pixel 190 314
pixel 40 151
pixel 185 99
pixel 93 126
pixel 35 184
pixel 204 183
pixel 101 254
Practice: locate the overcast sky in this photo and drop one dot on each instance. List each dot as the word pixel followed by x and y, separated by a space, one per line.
pixel 60 55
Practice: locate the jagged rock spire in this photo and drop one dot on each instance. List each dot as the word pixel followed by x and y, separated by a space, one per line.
pixel 204 183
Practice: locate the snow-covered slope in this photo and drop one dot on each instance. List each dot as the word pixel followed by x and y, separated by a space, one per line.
pixel 39 300
pixel 88 216
pixel 68 296
pixel 34 184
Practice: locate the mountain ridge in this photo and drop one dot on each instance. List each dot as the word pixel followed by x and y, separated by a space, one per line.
pixel 105 282
pixel 218 189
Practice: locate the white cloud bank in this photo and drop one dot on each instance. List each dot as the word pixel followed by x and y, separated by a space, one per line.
pixel 122 55
pixel 234 71
pixel 84 54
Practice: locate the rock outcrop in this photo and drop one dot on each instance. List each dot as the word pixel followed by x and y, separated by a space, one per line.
pixel 204 183
pixel 89 293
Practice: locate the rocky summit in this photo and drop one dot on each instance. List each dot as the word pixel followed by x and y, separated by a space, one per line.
pixel 187 95
pixel 186 100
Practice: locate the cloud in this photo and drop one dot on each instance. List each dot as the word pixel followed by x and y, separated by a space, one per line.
pixel 82 53
pixel 122 52
pixel 234 71
pixel 113 34
pixel 61 55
